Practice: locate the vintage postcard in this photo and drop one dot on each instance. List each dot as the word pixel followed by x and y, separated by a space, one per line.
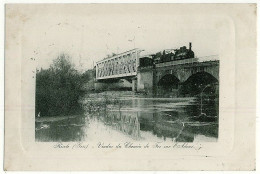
pixel 130 86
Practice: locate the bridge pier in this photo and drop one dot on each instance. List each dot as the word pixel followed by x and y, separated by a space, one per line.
pixel 145 80
pixel 134 85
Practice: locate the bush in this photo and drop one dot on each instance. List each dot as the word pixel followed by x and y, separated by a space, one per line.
pixel 58 89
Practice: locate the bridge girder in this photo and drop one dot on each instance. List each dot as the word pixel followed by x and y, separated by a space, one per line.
pixel 121 65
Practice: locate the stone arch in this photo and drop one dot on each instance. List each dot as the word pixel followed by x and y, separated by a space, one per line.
pixel 183 74
pixel 214 71
pixel 167 84
pixel 161 73
pixel 197 82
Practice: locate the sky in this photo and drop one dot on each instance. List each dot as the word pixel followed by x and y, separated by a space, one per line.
pixel 89 33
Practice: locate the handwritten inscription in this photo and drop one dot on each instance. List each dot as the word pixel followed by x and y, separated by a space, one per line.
pixel 62 146
pixel 127 145
pixel 80 146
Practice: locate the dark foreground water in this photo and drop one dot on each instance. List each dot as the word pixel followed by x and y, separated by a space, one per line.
pixel 135 118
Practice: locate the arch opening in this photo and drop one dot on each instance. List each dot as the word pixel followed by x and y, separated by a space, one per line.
pixel 198 83
pixel 168 84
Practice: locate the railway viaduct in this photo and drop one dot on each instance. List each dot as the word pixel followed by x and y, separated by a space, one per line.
pixel 123 70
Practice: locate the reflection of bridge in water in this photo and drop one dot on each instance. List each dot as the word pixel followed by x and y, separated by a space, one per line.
pixel 142 120
pixel 187 75
pixel 128 124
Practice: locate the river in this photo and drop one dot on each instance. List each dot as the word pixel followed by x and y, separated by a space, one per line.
pixel 130 117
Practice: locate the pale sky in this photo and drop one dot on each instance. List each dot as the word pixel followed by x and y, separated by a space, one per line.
pixel 89 33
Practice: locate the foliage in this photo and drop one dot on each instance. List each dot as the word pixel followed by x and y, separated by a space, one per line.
pixel 58 89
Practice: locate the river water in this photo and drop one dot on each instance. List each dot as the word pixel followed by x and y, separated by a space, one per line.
pixel 135 118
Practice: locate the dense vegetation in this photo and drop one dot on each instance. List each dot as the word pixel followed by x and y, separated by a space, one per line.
pixel 58 89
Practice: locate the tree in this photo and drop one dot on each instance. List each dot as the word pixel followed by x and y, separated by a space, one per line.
pixel 58 88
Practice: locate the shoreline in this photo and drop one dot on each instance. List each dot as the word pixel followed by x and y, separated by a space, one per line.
pixel 54 118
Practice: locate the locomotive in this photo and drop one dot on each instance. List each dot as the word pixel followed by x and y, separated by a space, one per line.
pixel 167 56
pixel 173 55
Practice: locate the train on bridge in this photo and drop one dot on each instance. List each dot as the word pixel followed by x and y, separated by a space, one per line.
pixel 170 70
pixel 167 56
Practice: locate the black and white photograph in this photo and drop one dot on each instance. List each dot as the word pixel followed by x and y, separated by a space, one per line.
pixel 130 86
pixel 125 76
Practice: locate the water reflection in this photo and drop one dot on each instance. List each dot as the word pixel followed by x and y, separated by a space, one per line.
pixel 71 129
pixel 137 119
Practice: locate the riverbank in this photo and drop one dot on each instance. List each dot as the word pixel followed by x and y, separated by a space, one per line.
pixel 54 118
pixel 133 94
